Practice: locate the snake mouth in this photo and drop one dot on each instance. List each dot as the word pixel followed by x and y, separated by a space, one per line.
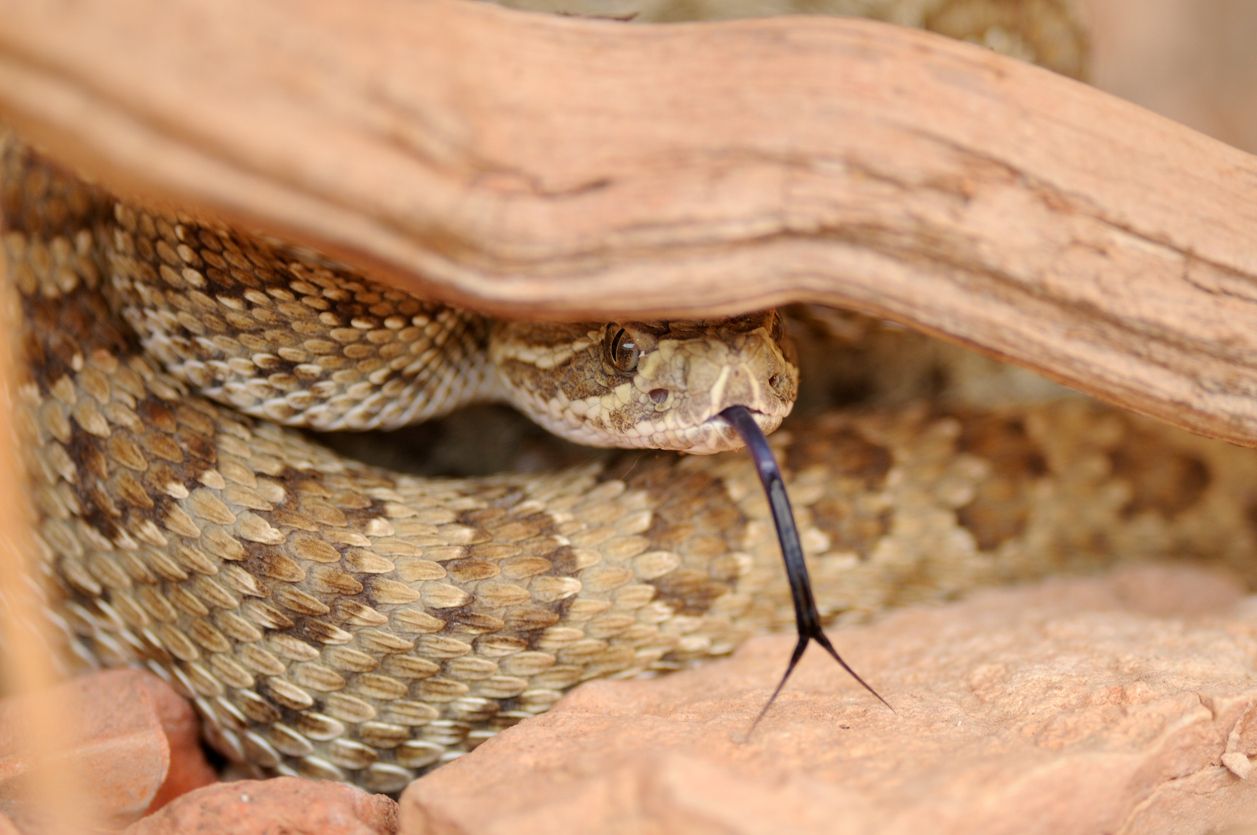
pixel 716 434
pixel 761 417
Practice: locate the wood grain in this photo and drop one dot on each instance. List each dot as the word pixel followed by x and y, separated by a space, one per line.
pixel 529 165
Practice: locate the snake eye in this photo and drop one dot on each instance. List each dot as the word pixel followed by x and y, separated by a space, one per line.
pixel 623 352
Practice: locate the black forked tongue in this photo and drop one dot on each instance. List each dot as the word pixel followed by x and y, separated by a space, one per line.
pixel 806 618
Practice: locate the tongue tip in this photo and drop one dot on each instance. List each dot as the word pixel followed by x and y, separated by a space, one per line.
pixel 807 617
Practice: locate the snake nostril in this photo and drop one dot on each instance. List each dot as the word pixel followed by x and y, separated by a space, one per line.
pixel 659 395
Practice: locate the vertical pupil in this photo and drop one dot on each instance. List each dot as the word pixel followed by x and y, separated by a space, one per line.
pixel 624 351
pixel 627 349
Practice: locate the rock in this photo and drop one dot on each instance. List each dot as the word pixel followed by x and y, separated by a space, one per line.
pixel 1077 705
pixel 188 769
pixel 1238 764
pixel 134 741
pixel 291 805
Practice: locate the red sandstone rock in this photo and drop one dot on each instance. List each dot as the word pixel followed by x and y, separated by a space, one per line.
pixel 188 768
pixel 287 805
pixel 134 746
pixel 1081 706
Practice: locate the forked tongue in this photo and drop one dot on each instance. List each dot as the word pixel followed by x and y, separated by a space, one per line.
pixel 806 618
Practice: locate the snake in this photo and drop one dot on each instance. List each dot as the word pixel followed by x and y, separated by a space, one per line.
pixel 181 382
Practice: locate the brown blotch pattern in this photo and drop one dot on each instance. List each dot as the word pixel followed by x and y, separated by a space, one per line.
pixel 1162 480
pixel 847 453
pixel 50 222
pixel 697 533
pixel 1002 503
pixel 849 514
pixel 42 201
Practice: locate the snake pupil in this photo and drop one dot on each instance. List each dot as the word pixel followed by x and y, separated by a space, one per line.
pixel 624 352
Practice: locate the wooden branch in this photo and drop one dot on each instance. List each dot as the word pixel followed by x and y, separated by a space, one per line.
pixel 531 165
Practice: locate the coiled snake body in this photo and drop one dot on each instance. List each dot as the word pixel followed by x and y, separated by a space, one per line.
pixel 336 619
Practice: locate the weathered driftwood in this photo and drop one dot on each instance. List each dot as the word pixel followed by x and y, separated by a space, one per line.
pixel 531 165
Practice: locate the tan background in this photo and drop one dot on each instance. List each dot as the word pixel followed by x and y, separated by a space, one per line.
pixel 1192 60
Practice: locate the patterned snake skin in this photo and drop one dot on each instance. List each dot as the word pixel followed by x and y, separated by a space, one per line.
pixel 337 619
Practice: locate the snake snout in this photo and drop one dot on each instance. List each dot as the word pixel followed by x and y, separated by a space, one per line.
pixel 754 370
pixel 761 380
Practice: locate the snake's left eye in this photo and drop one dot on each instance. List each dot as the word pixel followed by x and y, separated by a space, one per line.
pixel 622 352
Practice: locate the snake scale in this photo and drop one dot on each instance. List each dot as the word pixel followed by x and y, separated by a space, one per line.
pixel 337 619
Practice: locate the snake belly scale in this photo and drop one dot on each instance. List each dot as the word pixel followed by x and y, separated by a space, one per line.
pixel 340 620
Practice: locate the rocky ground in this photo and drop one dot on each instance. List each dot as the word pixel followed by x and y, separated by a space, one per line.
pixel 1121 703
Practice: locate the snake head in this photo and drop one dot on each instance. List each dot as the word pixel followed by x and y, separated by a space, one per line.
pixel 655 385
